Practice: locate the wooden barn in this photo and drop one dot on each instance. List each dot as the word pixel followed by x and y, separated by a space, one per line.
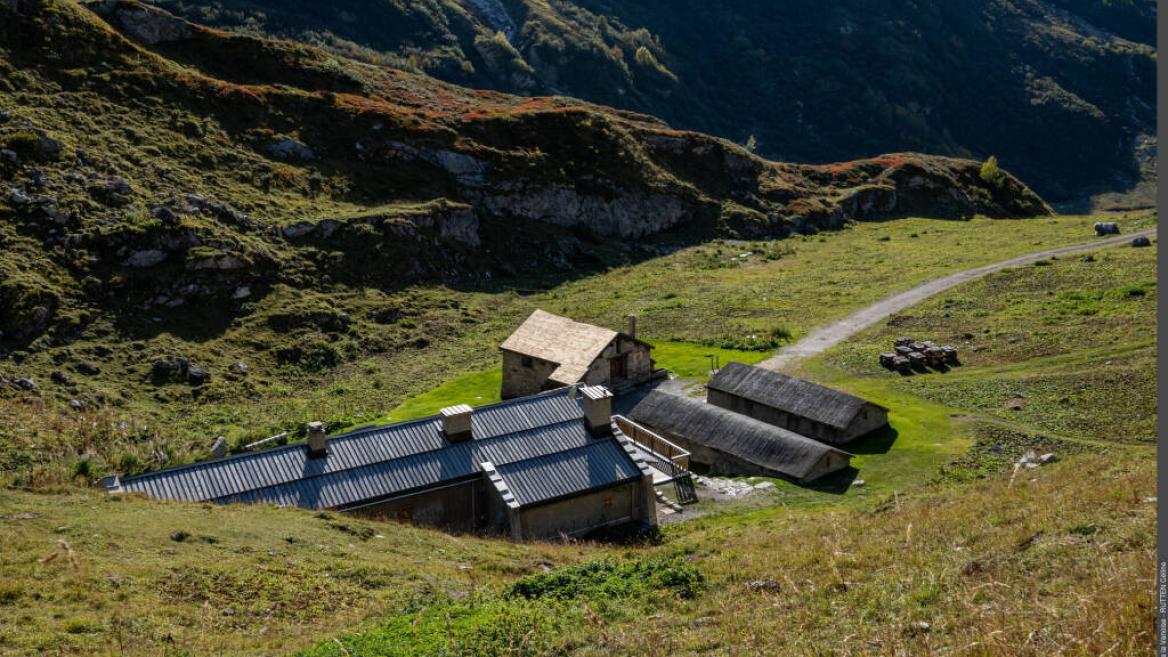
pixel 548 351
pixel 727 443
pixel 791 403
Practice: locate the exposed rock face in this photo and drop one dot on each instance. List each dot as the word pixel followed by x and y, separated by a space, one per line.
pixel 289 149
pixel 147 258
pixel 628 215
pixel 144 23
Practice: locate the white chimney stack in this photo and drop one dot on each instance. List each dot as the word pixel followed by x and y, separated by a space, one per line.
pixel 632 331
pixel 597 410
pixel 456 422
pixel 317 440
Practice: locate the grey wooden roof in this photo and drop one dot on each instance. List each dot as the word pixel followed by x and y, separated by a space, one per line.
pixel 787 393
pixel 379 462
pixel 757 442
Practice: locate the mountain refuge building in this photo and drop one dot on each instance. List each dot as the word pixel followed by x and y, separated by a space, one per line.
pixel 548 351
pixel 530 468
pixel 806 408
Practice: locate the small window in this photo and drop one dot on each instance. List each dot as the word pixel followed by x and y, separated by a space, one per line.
pixel 526 361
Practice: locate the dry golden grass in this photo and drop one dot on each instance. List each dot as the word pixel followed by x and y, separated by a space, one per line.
pixel 1060 562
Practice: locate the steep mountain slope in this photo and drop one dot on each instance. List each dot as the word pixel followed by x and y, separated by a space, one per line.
pixel 190 216
pixel 219 165
pixel 1063 92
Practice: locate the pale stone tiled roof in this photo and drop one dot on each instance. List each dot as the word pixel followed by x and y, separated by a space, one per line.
pixel 571 345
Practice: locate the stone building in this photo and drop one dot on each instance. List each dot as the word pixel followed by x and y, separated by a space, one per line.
pixel 529 468
pixel 800 406
pixel 548 351
pixel 726 443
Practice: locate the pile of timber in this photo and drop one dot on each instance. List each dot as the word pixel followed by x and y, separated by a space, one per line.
pixel 908 354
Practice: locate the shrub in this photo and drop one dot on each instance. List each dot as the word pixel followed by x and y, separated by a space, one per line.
pixel 990 172
pixel 647 59
pixel 606 578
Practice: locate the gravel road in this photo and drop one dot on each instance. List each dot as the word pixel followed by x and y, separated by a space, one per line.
pixel 832 334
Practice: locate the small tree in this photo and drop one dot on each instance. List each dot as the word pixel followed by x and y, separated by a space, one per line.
pixel 751 144
pixel 990 171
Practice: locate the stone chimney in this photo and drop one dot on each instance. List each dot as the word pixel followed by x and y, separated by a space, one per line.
pixel 632 330
pixel 317 440
pixel 456 422
pixel 597 410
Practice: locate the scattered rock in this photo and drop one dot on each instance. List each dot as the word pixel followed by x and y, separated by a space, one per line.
pixel 197 376
pixel 241 292
pixel 1106 228
pixel 165 215
pixel 239 367
pixel 61 378
pixel 1141 241
pixel 1047 458
pixel 763 485
pixel 88 368
pixel 76 405
pixel 165 370
pixel 859 483
pixel 298 229
pixel 146 258
pixel 764 586
pixel 25 384
pixel 287 148
pixel 178 536
pixel 219 449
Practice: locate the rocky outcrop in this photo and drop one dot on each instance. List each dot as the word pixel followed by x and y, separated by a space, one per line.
pixel 630 214
pixel 143 23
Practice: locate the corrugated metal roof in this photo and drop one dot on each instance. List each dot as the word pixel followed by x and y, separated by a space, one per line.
pixel 378 462
pixel 787 393
pixel 757 442
pixel 597 464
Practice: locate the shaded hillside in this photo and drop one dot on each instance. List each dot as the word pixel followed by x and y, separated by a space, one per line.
pixel 197 164
pixel 1063 92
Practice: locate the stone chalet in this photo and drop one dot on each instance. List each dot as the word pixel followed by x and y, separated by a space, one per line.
pixel 537 467
pixel 548 351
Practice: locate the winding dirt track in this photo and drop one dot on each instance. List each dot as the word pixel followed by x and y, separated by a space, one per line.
pixel 828 336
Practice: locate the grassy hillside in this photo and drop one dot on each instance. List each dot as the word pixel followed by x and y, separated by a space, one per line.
pixel 193 247
pixel 1061 91
pixel 1067 346
pixel 925 557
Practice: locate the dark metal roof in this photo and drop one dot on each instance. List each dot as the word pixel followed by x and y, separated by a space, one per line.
pixel 597 464
pixel 787 393
pixel 757 442
pixel 378 462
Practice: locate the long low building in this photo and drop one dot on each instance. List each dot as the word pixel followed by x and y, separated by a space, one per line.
pixel 728 443
pixel 806 408
pixel 531 468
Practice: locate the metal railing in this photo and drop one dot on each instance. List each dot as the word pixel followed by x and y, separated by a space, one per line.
pixel 675 455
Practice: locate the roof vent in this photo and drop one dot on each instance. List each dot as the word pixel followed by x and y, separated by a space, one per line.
pixel 597 410
pixel 317 440
pixel 456 422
